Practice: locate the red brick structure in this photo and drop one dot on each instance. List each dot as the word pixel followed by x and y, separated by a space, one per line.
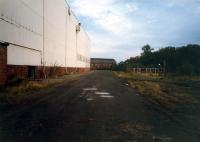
pixel 39 72
pixel 102 64
pixel 19 71
pixel 3 63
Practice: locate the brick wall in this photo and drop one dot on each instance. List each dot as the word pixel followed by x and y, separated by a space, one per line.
pixel 21 72
pixel 58 71
pixel 14 71
pixel 3 63
pixel 77 70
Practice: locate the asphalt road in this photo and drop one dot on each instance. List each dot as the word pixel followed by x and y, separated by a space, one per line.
pixel 97 108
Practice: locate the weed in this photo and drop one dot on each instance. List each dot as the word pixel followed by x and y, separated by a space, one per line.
pixel 166 92
pixel 28 90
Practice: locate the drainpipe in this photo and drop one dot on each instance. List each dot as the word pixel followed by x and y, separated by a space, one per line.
pixel 77 31
pixel 43 62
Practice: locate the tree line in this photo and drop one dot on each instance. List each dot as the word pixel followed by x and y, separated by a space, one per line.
pixel 184 60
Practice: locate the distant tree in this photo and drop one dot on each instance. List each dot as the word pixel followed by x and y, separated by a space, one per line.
pixel 185 69
pixel 183 60
pixel 146 50
pixel 146 56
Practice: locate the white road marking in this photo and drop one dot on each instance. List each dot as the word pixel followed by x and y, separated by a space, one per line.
pixel 85 90
pixel 83 93
pixel 137 94
pixel 90 99
pixel 102 93
pixel 90 89
pixel 106 96
pixel 163 139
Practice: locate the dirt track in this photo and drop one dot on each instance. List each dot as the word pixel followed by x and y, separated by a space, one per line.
pixel 98 108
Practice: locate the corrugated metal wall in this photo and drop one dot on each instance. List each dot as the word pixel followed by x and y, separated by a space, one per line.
pixel 21 24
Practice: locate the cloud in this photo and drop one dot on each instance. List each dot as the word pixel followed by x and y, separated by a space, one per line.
pixel 113 18
pixel 185 4
pixel 118 29
pixel 107 14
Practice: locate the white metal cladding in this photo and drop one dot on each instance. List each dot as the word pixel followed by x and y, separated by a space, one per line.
pixel 71 40
pixel 54 32
pixel 26 56
pixel 43 29
pixel 21 22
pixel 83 46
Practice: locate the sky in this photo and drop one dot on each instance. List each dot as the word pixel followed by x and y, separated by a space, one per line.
pixel 119 28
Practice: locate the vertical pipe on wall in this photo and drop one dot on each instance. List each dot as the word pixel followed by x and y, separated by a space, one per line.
pixel 43 62
pixel 77 55
pixel 76 49
pixel 66 37
pixel 68 40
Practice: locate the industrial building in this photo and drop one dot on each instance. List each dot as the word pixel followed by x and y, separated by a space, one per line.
pixel 38 35
pixel 102 63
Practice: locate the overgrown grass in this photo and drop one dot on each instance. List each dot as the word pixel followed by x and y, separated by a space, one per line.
pixel 156 77
pixel 29 90
pixel 167 93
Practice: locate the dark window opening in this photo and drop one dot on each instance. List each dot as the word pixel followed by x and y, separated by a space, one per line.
pixel 31 72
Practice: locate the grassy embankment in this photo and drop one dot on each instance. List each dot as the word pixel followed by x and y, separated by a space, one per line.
pixel 166 93
pixel 30 90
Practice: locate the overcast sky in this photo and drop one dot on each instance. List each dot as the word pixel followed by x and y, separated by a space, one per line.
pixel 119 28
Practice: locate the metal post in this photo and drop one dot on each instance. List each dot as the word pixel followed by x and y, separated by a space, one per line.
pixel 43 62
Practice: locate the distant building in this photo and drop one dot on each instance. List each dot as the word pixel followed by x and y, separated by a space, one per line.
pixel 38 34
pixel 102 64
